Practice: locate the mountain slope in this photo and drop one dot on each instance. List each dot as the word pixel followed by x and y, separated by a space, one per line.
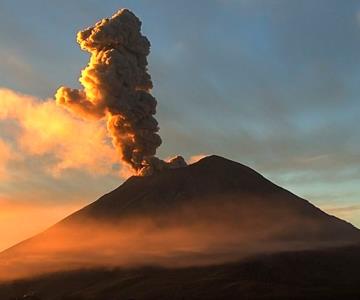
pixel 211 212
pixel 212 180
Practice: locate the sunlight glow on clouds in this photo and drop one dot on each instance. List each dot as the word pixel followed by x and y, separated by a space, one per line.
pixel 20 219
pixel 278 91
pixel 46 129
pixel 350 213
pixel 5 156
pixel 194 158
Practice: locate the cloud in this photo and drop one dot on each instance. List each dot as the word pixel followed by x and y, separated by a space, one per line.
pixel 116 86
pixel 6 155
pixel 47 130
pixel 17 71
pixel 345 209
pixel 35 217
pixel 350 211
pixel 50 162
pixel 194 234
pixel 280 92
pixel 195 158
pixel 357 16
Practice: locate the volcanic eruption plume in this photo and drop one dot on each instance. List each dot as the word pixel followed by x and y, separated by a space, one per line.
pixel 117 87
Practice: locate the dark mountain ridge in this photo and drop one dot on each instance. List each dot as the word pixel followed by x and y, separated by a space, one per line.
pixel 213 179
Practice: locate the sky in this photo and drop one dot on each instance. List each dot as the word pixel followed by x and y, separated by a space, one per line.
pixel 273 84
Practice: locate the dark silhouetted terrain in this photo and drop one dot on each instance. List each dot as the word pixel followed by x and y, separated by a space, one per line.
pixel 331 274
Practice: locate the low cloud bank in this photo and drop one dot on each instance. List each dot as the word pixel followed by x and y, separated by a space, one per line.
pixel 196 235
pixel 42 128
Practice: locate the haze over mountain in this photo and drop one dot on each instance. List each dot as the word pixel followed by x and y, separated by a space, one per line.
pixel 211 212
pixel 220 182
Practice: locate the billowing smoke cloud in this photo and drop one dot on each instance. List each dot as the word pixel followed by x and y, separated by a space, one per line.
pixel 117 86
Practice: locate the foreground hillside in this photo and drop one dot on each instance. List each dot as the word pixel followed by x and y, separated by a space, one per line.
pixel 330 274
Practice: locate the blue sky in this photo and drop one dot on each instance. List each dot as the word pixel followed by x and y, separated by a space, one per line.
pixel 273 84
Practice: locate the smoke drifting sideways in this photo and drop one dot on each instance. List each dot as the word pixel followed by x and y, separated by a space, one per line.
pixel 117 87
pixel 208 233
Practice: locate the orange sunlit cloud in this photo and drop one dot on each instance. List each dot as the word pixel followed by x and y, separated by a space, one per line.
pixel 193 159
pixel 33 131
pixel 5 155
pixel 20 219
pixel 48 129
pixel 345 212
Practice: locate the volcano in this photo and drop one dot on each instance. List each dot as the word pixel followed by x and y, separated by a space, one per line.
pixel 215 216
pixel 212 179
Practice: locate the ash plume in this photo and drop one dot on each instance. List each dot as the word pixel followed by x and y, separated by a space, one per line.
pixel 116 86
